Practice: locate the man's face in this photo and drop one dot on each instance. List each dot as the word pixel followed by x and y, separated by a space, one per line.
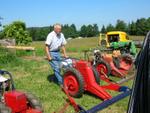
pixel 57 30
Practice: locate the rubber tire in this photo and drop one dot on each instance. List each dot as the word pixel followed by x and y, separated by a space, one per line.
pixel 34 102
pixel 128 55
pixel 4 109
pixel 107 66
pixel 79 78
pixel 96 75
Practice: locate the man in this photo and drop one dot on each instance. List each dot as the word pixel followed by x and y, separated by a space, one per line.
pixel 54 42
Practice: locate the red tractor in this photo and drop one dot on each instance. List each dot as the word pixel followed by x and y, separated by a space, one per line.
pixel 13 101
pixel 80 76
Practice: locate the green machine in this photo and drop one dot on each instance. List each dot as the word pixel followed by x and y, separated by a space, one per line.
pixel 124 47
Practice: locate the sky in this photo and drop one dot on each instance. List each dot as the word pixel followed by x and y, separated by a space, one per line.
pixel 38 13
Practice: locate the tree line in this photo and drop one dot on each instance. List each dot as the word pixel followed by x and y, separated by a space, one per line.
pixel 139 27
pixel 70 31
pixel 24 35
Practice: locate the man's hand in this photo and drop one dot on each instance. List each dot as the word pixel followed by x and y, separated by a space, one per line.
pixel 65 56
pixel 49 58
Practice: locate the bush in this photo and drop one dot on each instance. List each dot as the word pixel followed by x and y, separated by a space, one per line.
pixel 18 31
pixel 6 56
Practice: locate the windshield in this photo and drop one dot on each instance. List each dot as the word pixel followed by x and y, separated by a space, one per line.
pixel 113 38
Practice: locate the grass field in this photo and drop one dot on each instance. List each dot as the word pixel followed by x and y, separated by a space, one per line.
pixel 33 76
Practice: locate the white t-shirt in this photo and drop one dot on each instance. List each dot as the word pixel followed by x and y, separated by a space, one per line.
pixel 55 41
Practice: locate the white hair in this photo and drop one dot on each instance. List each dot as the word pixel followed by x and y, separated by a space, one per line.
pixel 57 25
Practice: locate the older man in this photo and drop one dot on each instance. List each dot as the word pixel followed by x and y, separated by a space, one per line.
pixel 54 42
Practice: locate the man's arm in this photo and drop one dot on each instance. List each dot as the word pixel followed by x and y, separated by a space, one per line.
pixel 64 51
pixel 47 53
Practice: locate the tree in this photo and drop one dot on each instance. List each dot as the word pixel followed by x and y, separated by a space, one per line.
pixel 103 30
pixel 32 32
pixel 96 30
pixel 141 26
pixel 73 31
pixel 110 27
pixel 66 30
pixel 132 28
pixel 70 31
pixel 89 31
pixel 148 24
pixel 83 31
pixel 17 30
pixel 121 26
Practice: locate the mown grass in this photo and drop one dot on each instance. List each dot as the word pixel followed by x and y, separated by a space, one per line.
pixel 139 38
pixel 32 76
pixel 73 45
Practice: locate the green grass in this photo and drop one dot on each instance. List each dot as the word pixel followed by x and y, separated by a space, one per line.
pixel 32 76
pixel 73 46
pixel 140 38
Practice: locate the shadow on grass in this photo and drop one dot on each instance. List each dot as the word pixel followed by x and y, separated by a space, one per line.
pixel 92 95
pixel 52 78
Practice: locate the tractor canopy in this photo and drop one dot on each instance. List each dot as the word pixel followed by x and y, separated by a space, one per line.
pixel 116 36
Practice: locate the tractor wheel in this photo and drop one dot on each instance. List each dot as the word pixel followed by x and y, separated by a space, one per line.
pixel 73 82
pixel 96 75
pixel 103 42
pixel 34 102
pixel 4 109
pixel 127 58
pixel 103 66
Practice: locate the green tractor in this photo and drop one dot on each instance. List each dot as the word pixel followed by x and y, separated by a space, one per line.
pixel 124 47
pixel 118 40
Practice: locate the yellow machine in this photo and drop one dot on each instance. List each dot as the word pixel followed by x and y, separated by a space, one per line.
pixel 113 36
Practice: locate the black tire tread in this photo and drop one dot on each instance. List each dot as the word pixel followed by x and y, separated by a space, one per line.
pixel 79 78
pixel 34 102
pixel 96 75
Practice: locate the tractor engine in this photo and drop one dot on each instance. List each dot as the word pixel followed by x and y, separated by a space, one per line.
pixel 17 101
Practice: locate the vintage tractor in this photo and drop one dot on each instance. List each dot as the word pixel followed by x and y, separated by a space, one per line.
pixel 113 36
pixel 13 101
pixel 118 40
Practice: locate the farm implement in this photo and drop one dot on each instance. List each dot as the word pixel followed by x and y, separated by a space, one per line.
pixel 13 101
pixel 110 64
pixel 80 76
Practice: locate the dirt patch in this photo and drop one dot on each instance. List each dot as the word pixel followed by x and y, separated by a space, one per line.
pixel 37 58
pixel 41 58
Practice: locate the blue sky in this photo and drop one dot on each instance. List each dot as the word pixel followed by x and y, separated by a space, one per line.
pixel 47 12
